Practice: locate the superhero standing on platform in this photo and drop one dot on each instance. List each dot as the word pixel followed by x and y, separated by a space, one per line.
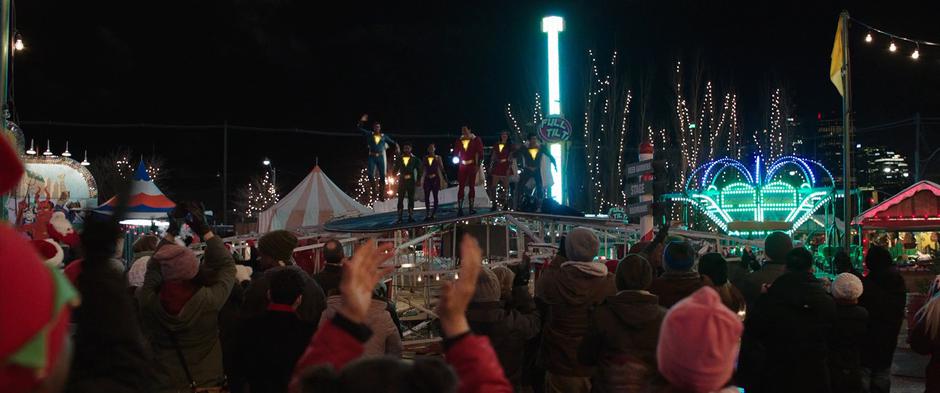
pixel 469 151
pixel 432 180
pixel 378 143
pixel 531 160
pixel 500 170
pixel 406 167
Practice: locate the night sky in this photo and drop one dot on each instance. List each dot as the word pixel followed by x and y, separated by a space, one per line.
pixel 421 70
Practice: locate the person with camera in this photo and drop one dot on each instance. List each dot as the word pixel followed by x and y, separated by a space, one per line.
pixel 179 304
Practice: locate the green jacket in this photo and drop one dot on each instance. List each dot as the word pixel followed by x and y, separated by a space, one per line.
pixel 196 328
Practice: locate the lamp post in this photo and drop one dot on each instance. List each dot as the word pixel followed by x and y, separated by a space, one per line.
pixel 267 162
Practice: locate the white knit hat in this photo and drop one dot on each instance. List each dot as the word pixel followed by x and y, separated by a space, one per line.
pixel 847 286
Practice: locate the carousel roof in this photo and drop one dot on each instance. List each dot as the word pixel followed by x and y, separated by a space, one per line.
pixel 916 208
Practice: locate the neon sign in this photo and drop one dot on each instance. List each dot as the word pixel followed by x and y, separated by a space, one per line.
pixel 744 202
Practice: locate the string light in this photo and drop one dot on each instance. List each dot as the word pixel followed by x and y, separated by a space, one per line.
pixel 894 39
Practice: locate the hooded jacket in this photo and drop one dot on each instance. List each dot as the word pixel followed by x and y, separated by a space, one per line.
pixel 570 291
pixel 194 330
pixel 622 342
pixel 508 329
pixel 792 324
pixel 385 339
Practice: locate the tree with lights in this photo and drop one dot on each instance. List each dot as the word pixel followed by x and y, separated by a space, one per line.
pixel 256 196
pixel 365 192
pixel 113 170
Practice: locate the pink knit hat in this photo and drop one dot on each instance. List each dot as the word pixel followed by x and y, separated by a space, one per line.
pixel 176 262
pixel 698 342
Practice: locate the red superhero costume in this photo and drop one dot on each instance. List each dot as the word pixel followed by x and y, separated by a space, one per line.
pixel 469 152
pixel 502 159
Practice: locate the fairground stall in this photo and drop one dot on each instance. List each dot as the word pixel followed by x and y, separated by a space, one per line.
pixel 907 224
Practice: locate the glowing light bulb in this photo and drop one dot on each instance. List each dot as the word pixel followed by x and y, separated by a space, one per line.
pixel 18 42
pixel 456 276
pixel 437 277
pixel 455 160
pixel 916 54
pixel 419 278
pixel 892 47
pixel 868 37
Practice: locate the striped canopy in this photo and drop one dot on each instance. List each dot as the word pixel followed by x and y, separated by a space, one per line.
pixel 146 202
pixel 313 202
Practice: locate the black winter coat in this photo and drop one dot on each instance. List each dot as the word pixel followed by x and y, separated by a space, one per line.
pixel 268 349
pixel 885 297
pixel 845 343
pixel 791 324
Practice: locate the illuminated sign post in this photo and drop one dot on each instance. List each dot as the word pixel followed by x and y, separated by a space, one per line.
pixel 551 26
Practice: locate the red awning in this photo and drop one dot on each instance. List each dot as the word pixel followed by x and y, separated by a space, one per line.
pixel 917 208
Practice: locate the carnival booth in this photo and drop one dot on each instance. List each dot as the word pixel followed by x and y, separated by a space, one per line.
pixel 313 202
pixel 146 204
pixel 907 223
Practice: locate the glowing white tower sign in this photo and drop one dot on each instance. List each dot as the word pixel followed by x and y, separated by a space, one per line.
pixel 552 25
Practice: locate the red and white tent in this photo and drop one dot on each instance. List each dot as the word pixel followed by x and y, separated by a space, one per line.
pixel 313 202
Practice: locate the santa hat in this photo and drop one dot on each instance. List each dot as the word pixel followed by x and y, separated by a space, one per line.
pixel 60 229
pixel 12 167
pixel 50 252
pixel 34 316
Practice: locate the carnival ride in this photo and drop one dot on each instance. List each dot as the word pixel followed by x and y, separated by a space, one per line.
pixel 426 251
pixel 780 196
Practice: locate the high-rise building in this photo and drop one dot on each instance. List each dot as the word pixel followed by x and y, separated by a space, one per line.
pixel 828 146
pixel 796 138
pixel 878 167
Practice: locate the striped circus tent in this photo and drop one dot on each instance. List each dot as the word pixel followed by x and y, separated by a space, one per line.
pixel 313 202
pixel 146 202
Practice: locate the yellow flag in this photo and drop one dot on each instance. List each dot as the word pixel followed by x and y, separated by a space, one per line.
pixel 838 60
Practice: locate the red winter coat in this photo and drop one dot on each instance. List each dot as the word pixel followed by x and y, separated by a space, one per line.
pixel 471 356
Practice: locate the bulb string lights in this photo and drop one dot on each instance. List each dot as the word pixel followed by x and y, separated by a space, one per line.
pixel 895 41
